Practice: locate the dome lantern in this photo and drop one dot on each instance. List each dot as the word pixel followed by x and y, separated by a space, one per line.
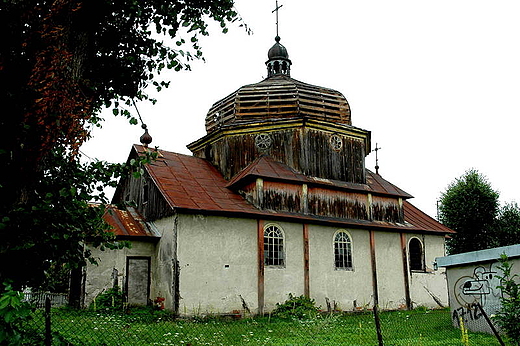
pixel 279 62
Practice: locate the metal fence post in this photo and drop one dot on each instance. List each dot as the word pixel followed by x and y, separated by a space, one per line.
pixel 47 315
pixel 378 326
pixel 490 324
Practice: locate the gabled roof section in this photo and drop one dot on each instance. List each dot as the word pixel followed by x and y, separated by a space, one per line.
pixel 128 224
pixel 266 167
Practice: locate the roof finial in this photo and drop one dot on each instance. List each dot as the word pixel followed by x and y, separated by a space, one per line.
pixel 276 10
pixel 377 160
pixel 145 138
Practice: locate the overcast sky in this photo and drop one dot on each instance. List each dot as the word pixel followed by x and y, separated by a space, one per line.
pixel 436 83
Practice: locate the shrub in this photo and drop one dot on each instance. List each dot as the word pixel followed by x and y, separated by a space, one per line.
pixel 296 307
pixel 110 300
pixel 14 312
pixel 509 314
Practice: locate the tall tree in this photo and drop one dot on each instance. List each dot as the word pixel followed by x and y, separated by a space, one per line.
pixel 61 61
pixel 508 225
pixel 469 206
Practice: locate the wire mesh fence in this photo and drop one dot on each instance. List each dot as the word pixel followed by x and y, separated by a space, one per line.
pixel 143 326
pixel 37 298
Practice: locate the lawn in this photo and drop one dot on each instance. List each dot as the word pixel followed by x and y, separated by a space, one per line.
pixel 399 328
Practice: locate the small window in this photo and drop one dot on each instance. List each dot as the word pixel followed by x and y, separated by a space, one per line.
pixel 415 249
pixel 273 246
pixel 342 251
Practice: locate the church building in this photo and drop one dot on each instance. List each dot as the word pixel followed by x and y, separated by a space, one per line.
pixel 275 200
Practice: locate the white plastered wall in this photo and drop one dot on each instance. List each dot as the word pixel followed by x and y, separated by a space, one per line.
pixel 280 281
pixel 429 288
pixel 218 264
pixel 473 283
pixel 390 274
pixel 347 288
pixel 99 278
pixel 163 268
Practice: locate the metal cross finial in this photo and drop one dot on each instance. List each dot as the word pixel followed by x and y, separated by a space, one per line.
pixel 377 160
pixel 276 10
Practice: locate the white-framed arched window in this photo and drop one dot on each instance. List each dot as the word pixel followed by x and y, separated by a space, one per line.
pixel 416 254
pixel 342 250
pixel 274 254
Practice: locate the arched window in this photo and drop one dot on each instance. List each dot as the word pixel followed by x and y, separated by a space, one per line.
pixel 415 249
pixel 342 251
pixel 273 246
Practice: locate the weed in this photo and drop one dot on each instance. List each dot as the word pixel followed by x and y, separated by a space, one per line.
pixel 296 307
pixel 110 300
pixel 509 314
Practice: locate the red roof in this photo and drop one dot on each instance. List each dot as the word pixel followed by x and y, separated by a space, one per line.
pixel 192 184
pixel 188 182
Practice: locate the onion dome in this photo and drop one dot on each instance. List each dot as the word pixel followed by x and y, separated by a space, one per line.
pixel 278 62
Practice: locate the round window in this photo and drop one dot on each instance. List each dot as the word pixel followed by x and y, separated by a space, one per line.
pixel 263 141
pixel 336 143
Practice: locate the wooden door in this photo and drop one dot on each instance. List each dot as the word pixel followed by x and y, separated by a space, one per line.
pixel 138 280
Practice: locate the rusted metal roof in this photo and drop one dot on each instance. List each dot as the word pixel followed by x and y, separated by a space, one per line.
pixel 419 219
pixel 128 223
pixel 268 168
pixel 379 185
pixel 279 97
pixel 192 184
pixel 188 182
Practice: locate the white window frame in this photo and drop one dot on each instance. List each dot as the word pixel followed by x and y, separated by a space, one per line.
pixel 272 245
pixel 343 245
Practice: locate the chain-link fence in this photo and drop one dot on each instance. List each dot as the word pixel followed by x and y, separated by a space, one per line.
pixel 65 326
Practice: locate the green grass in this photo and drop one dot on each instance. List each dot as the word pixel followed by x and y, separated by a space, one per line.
pixel 399 328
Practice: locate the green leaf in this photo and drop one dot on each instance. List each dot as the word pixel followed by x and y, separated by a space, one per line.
pixel 4 302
